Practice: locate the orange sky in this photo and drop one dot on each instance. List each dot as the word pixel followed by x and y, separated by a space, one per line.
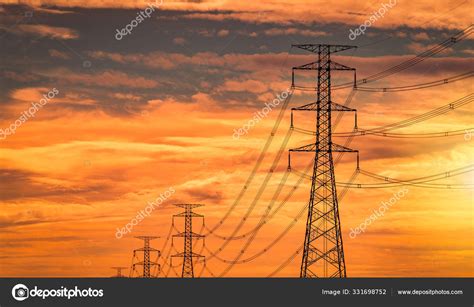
pixel 80 169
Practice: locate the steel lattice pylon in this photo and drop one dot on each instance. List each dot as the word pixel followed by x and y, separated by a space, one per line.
pixel 146 263
pixel 119 271
pixel 188 235
pixel 323 254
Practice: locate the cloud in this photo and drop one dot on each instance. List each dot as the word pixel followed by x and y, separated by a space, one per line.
pixel 21 76
pixel 52 11
pixel 126 96
pixel 179 41
pixel 422 36
pixel 260 63
pixel 294 31
pixel 223 33
pixel 252 86
pixel 167 61
pixel 46 31
pixel 58 54
pixel 108 78
pixel 29 94
pixel 423 13
pixel 419 47
pixel 21 184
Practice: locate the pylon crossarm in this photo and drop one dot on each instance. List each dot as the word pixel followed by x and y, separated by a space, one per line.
pixel 178 255
pixel 150 262
pixel 307 107
pixel 339 148
pixel 341 108
pixel 188 205
pixel 308 66
pixel 184 214
pixel 146 237
pixel 315 66
pixel 337 66
pixel 315 48
pixel 305 148
pixel 151 249
pixel 314 107
pixel 191 234
pixel 313 147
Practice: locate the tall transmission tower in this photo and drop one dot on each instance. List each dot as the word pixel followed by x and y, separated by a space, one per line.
pixel 188 235
pixel 146 263
pixel 323 254
pixel 119 271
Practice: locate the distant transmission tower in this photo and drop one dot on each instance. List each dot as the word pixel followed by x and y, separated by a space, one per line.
pixel 323 254
pixel 119 271
pixel 188 235
pixel 147 264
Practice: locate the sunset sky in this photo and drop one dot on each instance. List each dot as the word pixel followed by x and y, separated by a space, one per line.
pixel 157 109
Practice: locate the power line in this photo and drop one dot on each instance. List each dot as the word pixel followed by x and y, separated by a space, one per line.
pixel 285 231
pixel 259 193
pixel 399 135
pixel 419 85
pixel 256 167
pixel 423 55
pixel 422 182
pixel 382 131
pixel 404 65
pixel 163 248
pixel 405 88
pixel 413 61
pixel 298 251
pixel 224 218
pixel 264 219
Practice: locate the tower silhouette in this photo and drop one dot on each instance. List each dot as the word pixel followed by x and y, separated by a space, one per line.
pixel 146 263
pixel 323 254
pixel 188 235
pixel 119 271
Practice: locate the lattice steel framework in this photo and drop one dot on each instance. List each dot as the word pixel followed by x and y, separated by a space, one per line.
pixel 147 250
pixel 188 235
pixel 323 254
pixel 119 271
